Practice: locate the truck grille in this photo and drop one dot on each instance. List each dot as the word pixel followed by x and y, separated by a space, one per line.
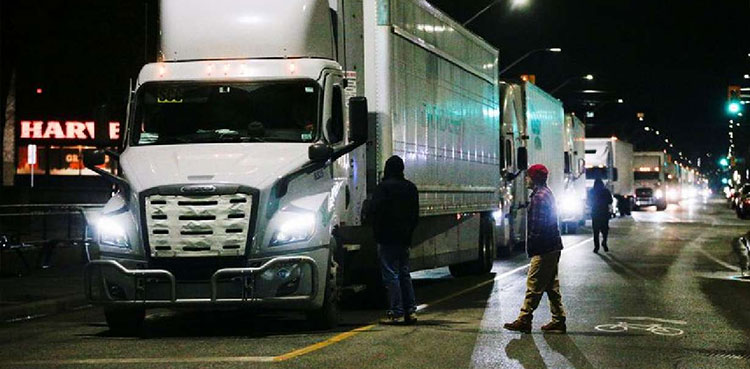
pixel 644 192
pixel 211 225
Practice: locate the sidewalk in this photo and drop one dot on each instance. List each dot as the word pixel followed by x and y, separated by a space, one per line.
pixel 33 292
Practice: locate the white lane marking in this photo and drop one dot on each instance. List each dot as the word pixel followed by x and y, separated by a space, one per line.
pixel 731 267
pixel 660 320
pixel 496 279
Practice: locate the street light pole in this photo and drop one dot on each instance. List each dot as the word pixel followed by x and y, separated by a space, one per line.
pixel 511 65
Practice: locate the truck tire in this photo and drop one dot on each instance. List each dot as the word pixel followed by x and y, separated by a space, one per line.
pixel 126 321
pixel 486 254
pixel 327 316
pixel 661 207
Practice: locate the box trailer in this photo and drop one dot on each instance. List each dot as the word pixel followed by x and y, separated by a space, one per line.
pixel 248 160
pixel 533 124
pixel 572 201
pixel 611 160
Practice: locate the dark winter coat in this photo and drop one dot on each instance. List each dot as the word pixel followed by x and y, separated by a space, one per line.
pixel 394 209
pixel 599 199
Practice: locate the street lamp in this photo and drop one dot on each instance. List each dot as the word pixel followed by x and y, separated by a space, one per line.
pixel 588 77
pixel 511 65
pixel 513 4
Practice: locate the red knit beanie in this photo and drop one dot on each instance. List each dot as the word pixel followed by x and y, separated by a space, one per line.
pixel 538 173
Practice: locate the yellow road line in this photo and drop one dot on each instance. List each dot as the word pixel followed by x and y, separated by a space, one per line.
pixel 323 344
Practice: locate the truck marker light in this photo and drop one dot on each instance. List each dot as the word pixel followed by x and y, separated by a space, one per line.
pixel 162 70
pixel 292 68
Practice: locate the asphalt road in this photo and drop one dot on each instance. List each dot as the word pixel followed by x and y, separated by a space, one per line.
pixel 665 296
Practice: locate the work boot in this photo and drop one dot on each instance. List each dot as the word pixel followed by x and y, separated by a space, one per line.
pixel 519 325
pixel 554 327
pixel 606 249
pixel 390 319
pixel 410 319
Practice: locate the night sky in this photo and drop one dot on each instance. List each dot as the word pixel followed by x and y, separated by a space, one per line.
pixel 672 60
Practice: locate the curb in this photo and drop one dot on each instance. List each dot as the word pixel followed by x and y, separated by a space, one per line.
pixel 38 309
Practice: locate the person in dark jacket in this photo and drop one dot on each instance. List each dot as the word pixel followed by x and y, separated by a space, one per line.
pixel 395 213
pixel 599 200
pixel 543 246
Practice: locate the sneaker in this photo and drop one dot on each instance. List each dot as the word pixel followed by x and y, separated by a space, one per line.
pixel 410 319
pixel 519 326
pixel 391 319
pixel 554 327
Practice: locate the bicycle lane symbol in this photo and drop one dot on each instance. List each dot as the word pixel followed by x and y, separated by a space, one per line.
pixel 653 325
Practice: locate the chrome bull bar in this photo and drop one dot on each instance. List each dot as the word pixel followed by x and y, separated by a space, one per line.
pixel 140 283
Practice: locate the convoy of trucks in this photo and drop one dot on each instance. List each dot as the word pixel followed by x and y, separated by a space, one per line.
pixel 247 163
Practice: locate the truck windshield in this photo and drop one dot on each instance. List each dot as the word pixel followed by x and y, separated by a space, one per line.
pixel 645 176
pixel 179 113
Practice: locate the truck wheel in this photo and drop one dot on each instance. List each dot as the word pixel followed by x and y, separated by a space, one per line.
pixel 327 316
pixel 124 321
pixel 485 257
pixel 661 207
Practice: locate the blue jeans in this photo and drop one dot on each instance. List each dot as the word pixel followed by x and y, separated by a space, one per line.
pixel 394 268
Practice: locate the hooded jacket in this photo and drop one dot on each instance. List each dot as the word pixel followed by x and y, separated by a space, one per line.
pixel 395 206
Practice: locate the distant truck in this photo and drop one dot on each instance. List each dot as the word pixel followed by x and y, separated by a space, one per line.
pixel 253 143
pixel 533 124
pixel 572 200
pixel 649 172
pixel 611 160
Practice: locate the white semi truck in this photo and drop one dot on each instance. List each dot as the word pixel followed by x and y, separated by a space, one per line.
pixel 611 160
pixel 649 173
pixel 254 141
pixel 533 123
pixel 573 199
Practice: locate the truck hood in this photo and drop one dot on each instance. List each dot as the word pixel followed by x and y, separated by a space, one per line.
pixel 256 165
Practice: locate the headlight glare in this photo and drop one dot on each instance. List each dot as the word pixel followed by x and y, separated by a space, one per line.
pixel 295 227
pixel 569 204
pixel 111 233
pixel 658 194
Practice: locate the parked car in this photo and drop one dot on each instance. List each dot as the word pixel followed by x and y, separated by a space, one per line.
pixel 742 202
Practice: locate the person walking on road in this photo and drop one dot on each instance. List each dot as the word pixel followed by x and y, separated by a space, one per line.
pixel 543 246
pixel 599 200
pixel 395 213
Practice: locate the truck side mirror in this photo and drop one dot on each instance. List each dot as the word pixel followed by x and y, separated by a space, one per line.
pixel 522 158
pixel 358 119
pixel 614 174
pixel 319 152
pixel 94 158
pixel 567 169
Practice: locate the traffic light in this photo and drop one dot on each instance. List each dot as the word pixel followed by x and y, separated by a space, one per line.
pixel 734 99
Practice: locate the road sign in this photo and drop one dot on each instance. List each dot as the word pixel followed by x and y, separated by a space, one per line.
pixel 31 154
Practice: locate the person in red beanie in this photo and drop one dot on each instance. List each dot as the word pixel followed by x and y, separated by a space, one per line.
pixel 543 246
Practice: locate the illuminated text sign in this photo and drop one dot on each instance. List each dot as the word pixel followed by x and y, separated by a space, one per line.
pixel 68 130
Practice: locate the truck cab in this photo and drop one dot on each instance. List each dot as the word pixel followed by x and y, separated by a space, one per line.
pixel 649 172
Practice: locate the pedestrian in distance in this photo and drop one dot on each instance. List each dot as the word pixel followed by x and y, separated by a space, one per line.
pixel 599 199
pixel 543 246
pixel 395 213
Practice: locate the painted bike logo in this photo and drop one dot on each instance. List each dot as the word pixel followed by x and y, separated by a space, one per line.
pixel 655 326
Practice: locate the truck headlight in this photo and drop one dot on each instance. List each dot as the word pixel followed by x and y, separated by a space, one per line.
pixel 569 204
pixel 296 226
pixel 112 233
pixel 658 194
